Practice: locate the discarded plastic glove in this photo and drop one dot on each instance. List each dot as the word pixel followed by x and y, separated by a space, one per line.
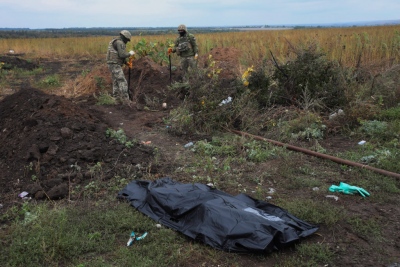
pixel 133 238
pixel 131 52
pixel 349 189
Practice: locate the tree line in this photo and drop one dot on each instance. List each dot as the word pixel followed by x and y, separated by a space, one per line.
pixel 84 32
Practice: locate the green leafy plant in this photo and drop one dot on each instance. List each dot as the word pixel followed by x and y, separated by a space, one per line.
pixel 51 81
pixel 85 72
pixel 258 152
pixel 373 128
pixel 390 114
pixel 157 51
pixel 120 136
pixel 105 99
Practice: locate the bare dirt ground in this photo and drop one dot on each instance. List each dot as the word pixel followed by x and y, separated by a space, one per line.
pixel 45 137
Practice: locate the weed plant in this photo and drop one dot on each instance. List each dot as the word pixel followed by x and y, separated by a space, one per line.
pixel 51 81
pixel 105 99
pixel 121 137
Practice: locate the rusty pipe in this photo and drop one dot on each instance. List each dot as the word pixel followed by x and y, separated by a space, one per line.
pixel 319 155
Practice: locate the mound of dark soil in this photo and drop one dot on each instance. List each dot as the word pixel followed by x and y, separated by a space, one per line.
pixel 47 142
pixel 11 62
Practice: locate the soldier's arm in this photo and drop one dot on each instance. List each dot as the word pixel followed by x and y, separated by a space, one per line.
pixel 119 46
pixel 194 44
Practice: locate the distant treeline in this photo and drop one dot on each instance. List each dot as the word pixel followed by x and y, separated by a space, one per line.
pixel 84 32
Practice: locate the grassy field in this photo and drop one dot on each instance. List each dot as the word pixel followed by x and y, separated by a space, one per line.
pixel 349 46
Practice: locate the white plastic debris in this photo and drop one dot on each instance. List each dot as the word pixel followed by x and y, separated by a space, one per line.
pixel 362 142
pixel 158 225
pixel 332 196
pixel 340 112
pixel 210 184
pixel 188 144
pixel 225 101
pixel 271 191
pixel 23 194
pixel 315 188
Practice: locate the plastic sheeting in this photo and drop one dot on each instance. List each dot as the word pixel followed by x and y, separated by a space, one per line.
pixel 230 223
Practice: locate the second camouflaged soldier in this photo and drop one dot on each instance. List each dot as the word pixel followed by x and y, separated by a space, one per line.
pixel 186 48
pixel 116 58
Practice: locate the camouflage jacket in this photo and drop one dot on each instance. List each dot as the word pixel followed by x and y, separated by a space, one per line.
pixel 186 46
pixel 116 53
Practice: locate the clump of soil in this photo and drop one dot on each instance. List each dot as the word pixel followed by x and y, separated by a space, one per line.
pixel 48 142
pixel 11 62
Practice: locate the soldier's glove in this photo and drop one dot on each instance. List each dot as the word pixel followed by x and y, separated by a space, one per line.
pixel 169 50
pixel 196 56
pixel 348 189
pixel 131 52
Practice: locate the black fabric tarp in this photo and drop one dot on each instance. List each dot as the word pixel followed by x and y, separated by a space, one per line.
pixel 230 223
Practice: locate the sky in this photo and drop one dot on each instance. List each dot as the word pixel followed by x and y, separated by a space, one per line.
pixel 38 14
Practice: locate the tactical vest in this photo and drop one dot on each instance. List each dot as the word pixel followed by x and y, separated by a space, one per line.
pixel 184 46
pixel 112 53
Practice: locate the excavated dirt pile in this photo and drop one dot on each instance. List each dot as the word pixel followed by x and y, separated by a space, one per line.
pixel 10 62
pixel 51 142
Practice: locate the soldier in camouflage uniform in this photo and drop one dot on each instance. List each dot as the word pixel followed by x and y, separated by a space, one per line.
pixel 116 58
pixel 186 48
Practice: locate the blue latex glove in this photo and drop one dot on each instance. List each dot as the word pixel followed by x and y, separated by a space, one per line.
pixel 133 238
pixel 348 189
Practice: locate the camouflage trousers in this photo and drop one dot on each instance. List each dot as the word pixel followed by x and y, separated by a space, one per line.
pixel 119 83
pixel 186 63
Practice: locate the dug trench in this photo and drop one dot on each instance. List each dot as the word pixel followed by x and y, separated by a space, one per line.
pixel 52 140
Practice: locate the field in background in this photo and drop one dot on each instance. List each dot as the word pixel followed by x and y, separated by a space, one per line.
pixel 352 47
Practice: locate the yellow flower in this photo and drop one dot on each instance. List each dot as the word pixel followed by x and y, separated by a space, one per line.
pixel 245 75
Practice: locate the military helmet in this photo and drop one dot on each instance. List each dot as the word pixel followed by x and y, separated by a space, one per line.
pixel 182 27
pixel 126 34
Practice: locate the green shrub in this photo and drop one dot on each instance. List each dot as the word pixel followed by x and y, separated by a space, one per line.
pixel 120 136
pixel 390 114
pixel 374 128
pixel 51 81
pixel 259 82
pixel 312 71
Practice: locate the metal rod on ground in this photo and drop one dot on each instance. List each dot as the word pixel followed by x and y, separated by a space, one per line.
pixel 170 70
pixel 129 84
pixel 320 155
pixel 129 78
